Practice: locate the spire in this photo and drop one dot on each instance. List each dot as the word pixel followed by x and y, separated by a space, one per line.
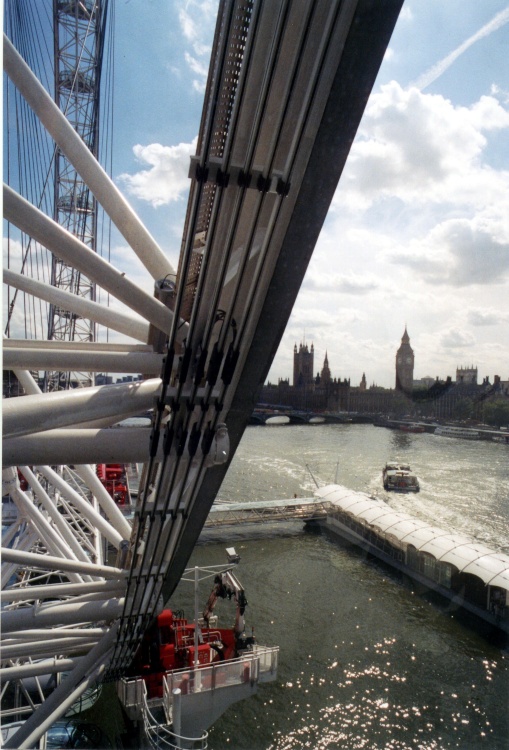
pixel 405 339
pixel 325 374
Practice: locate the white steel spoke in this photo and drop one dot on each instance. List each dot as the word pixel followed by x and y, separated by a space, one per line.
pixel 92 173
pixel 129 325
pixel 53 563
pixel 24 416
pixel 91 446
pixel 86 509
pixel 53 512
pixel 48 357
pixel 43 667
pixel 69 248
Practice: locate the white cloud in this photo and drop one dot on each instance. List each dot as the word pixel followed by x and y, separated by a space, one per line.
pixel 420 148
pixel 349 284
pixel 355 285
pixel 189 28
pixel 27 315
pixel 167 179
pixel 12 253
pixel 477 257
pixel 406 14
pixel 419 234
pixel 18 328
pixel 486 317
pixel 200 69
pixel 196 65
pixel 499 93
pixel 194 15
pixel 197 20
pixel 458 252
pixel 488 114
pixel 455 338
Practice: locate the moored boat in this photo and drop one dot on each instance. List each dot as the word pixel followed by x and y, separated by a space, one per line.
pixel 411 427
pixel 458 432
pixel 399 478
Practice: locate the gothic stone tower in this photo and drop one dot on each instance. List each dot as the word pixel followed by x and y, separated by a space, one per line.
pixel 303 364
pixel 466 375
pixel 325 376
pixel 405 365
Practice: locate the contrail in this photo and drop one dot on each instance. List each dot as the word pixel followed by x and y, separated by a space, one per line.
pixel 436 71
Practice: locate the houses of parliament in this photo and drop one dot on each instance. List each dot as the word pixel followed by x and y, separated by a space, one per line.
pixel 428 396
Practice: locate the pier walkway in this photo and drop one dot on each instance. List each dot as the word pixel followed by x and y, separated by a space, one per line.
pixel 302 508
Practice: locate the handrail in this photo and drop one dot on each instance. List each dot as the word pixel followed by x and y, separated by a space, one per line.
pixel 159 735
pixel 258 513
pixel 255 666
pixel 250 667
pixel 262 661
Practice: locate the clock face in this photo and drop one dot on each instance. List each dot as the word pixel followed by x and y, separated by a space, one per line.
pixel 409 360
pixel 400 360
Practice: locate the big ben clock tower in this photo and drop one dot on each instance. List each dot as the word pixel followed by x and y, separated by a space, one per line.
pixel 405 365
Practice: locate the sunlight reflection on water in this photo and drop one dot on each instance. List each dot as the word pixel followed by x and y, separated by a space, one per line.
pixel 364 661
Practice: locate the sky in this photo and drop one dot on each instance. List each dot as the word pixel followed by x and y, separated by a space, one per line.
pixel 418 231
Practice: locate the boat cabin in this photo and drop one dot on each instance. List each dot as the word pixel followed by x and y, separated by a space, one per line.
pixel 400 478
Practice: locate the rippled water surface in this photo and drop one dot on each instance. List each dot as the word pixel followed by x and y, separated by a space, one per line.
pixel 365 662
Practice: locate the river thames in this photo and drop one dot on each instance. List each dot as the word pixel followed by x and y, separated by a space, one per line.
pixel 365 662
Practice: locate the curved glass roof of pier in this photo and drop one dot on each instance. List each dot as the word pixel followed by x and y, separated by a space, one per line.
pixel 465 554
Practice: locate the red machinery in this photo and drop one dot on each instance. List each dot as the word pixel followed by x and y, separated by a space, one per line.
pixel 170 643
pixel 113 477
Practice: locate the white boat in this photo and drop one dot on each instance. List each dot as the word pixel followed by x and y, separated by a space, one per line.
pixel 458 432
pixel 399 478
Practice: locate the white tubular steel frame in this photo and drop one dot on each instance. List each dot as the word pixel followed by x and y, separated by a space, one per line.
pixel 80 581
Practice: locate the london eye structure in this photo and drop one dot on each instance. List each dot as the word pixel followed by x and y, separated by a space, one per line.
pixel 81 582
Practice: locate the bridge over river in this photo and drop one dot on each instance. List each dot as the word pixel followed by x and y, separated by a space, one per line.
pixel 294 416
